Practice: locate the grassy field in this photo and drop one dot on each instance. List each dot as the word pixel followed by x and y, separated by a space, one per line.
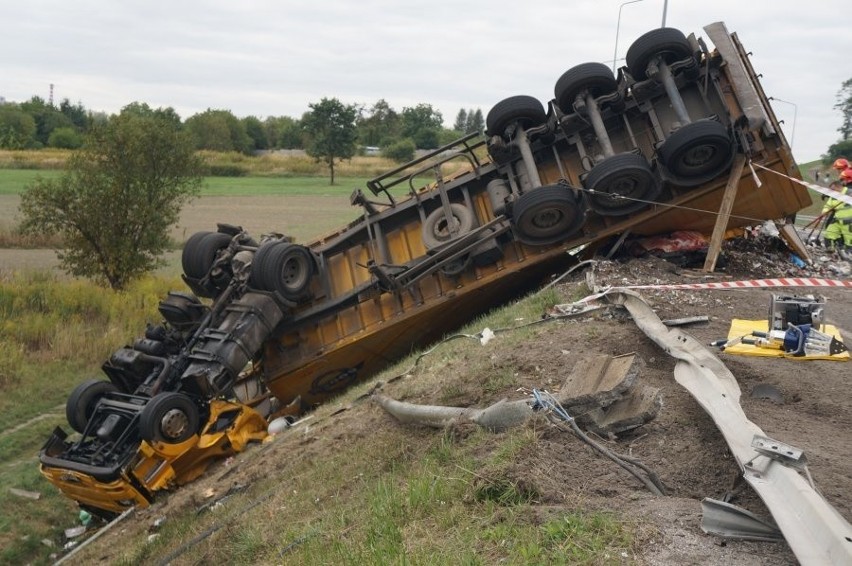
pixel 447 502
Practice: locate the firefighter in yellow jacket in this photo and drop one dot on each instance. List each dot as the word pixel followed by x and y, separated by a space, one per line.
pixel 838 231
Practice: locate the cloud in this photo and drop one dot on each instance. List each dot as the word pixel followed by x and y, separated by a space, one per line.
pixel 262 57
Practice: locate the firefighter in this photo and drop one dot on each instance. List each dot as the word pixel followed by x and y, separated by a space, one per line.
pixel 838 231
pixel 841 164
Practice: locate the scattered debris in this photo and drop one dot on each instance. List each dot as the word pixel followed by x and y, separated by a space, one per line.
pixel 74 532
pixel 25 494
pixel 732 522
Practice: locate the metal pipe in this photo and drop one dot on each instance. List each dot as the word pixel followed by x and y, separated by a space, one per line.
pixel 598 125
pixel 665 77
pixel 617 27
pixel 665 10
pixel 526 154
pixel 795 112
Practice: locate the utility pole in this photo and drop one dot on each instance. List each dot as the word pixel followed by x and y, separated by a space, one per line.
pixel 50 98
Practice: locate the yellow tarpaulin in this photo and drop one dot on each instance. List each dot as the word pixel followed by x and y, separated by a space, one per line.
pixel 744 328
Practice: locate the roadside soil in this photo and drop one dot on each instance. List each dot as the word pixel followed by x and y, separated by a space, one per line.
pixel 682 445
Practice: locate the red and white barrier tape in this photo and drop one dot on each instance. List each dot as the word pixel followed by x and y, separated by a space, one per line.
pixel 847 198
pixel 754 284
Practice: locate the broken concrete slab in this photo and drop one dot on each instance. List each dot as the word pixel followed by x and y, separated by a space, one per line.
pixel 639 406
pixel 599 381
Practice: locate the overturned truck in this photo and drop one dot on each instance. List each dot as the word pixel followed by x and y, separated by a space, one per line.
pixel 285 326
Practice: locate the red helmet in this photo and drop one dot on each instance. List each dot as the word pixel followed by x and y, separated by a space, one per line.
pixel 846 176
pixel 841 163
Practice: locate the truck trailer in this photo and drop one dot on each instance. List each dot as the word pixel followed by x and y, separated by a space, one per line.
pixel 272 328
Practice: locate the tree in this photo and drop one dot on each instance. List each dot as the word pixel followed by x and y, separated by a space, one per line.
pixel 47 118
pixel 118 197
pixel 330 129
pixel 422 123
pixel 76 113
pixel 283 132
pixel 475 121
pixel 218 130
pixel 460 125
pixel 17 128
pixel 844 104
pixel 379 126
pixel 254 129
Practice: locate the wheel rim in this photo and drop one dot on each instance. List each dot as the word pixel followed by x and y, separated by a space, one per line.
pixel 623 191
pixel 294 273
pixel 700 158
pixel 556 217
pixel 444 230
pixel 174 424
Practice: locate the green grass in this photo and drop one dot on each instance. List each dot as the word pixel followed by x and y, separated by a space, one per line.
pixel 13 181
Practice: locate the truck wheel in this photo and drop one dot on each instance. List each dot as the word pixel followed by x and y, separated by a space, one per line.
pixel 527 110
pixel 623 175
pixel 668 43
pixel 596 78
pixel 437 231
pixel 190 252
pixel 697 152
pixel 255 277
pixel 82 402
pixel 200 251
pixel 169 417
pixel 547 215
pixel 286 268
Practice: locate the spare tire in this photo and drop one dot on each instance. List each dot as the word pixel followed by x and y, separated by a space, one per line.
pixel 437 231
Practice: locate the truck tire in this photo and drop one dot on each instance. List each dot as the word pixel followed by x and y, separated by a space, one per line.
pixel 169 417
pixel 668 43
pixel 286 268
pixel 623 175
pixel 200 253
pixel 190 253
pixel 697 152
pixel 83 400
pixel 596 78
pixel 547 215
pixel 436 230
pixel 527 110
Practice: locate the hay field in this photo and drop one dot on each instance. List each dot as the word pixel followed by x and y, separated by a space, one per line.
pixel 303 217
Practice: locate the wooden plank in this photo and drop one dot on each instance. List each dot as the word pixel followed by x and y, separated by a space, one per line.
pixel 724 213
pixel 789 234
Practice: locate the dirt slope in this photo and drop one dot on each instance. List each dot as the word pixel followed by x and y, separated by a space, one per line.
pixel 682 445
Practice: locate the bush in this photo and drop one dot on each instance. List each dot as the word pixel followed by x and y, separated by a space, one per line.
pixel 400 151
pixel 215 170
pixel 65 138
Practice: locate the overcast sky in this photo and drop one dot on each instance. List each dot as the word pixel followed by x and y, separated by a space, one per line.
pixel 274 57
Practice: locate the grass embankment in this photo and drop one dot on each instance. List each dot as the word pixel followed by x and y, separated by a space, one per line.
pixel 373 499
pixel 53 334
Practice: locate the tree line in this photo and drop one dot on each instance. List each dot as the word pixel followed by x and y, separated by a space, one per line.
pixel 37 124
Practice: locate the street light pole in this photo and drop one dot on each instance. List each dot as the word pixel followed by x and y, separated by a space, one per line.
pixel 795 113
pixel 617 27
pixel 665 9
